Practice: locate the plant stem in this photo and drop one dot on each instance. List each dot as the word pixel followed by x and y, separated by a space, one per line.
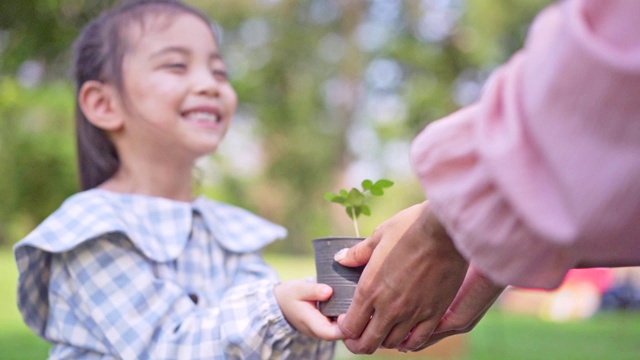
pixel 355 222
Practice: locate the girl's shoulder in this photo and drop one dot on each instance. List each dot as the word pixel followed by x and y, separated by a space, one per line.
pixel 237 229
pixel 158 227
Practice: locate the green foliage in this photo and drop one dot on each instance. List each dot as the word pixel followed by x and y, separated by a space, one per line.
pixel 355 201
pixel 17 342
pixel 283 82
pixel 36 155
pixel 42 29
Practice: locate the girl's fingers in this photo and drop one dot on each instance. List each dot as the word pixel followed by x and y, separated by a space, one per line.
pixel 322 327
pixel 308 291
pixel 318 292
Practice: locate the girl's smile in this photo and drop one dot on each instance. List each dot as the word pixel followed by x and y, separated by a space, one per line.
pixel 206 116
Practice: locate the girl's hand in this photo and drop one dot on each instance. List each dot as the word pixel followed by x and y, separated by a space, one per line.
pixel 297 300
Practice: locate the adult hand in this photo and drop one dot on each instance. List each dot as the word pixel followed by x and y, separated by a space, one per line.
pixel 475 297
pixel 413 273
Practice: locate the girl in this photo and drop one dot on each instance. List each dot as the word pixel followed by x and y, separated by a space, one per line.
pixel 133 267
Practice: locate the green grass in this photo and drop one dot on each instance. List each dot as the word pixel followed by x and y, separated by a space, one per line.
pixel 16 340
pixel 604 336
pixel 498 336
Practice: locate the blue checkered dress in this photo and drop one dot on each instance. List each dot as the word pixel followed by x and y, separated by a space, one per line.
pixel 135 277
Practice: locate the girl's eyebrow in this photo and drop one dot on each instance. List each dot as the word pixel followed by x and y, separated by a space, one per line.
pixel 178 49
pixel 169 49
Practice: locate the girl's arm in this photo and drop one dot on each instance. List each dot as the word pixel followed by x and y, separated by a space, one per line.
pixel 296 301
pixel 106 299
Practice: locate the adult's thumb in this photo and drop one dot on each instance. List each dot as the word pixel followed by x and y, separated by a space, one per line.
pixel 356 255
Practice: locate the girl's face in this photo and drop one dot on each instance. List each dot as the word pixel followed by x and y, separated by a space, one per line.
pixel 179 102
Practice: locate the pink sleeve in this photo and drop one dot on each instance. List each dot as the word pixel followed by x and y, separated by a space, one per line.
pixel 543 173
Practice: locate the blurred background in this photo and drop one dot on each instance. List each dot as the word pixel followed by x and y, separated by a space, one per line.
pixel 331 93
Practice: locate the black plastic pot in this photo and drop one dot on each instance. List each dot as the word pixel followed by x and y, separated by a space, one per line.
pixel 342 279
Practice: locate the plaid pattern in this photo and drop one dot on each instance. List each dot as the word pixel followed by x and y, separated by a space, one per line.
pixel 135 277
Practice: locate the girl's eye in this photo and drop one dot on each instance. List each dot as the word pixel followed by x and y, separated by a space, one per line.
pixel 176 66
pixel 221 74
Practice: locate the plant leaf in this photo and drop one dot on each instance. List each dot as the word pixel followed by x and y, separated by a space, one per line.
pixel 358 210
pixel 384 183
pixel 339 200
pixel 355 200
pixel 355 197
pixel 329 196
pixel 335 198
pixel 366 210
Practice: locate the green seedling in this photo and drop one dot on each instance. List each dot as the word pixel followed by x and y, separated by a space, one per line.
pixel 356 200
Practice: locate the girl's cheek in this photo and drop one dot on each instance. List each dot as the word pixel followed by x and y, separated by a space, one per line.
pixel 233 96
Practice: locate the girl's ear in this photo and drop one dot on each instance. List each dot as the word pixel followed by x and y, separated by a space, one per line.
pixel 100 105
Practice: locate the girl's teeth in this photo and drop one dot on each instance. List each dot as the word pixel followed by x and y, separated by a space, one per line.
pixel 203 116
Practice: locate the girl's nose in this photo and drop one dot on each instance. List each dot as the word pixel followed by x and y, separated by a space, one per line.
pixel 205 83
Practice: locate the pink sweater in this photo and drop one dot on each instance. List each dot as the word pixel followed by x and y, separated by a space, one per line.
pixel 542 174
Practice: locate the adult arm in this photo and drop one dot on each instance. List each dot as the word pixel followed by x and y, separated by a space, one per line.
pixel 540 175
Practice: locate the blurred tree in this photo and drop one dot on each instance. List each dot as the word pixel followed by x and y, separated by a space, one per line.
pixel 304 145
pixel 325 86
pixel 36 155
pixel 306 81
pixel 42 30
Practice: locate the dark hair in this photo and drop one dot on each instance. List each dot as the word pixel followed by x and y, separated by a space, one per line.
pixel 98 54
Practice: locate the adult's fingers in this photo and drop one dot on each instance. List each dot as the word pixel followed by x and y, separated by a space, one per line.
pixel 361 308
pixel 360 311
pixel 375 333
pixel 397 335
pixel 358 254
pixel 473 300
pixel 420 335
